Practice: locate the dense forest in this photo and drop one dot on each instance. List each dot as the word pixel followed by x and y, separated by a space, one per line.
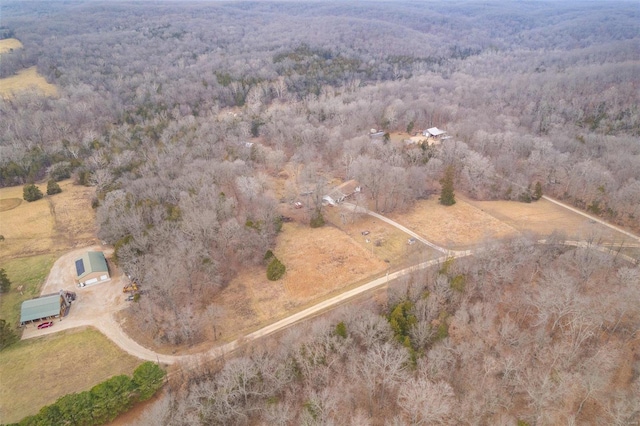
pixel 182 113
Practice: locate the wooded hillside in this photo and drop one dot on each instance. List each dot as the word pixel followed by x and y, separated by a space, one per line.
pixel 182 115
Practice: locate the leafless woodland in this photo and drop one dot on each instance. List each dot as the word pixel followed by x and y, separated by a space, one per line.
pixel 542 334
pixel 157 102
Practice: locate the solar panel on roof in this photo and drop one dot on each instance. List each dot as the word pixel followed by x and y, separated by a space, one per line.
pixel 79 267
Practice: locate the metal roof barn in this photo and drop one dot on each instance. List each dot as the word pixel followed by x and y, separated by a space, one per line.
pixel 39 308
pixel 92 268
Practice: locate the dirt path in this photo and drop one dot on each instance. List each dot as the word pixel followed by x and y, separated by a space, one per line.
pixel 397 225
pixel 595 219
pixel 95 306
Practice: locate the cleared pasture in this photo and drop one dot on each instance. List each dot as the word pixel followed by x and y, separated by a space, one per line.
pixel 27 79
pixel 460 226
pixel 9 44
pixel 52 224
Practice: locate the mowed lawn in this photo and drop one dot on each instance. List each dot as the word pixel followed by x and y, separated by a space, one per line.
pixel 26 275
pixel 54 223
pixel 27 79
pixel 36 372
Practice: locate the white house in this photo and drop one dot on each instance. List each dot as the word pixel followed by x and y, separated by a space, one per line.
pixel 433 132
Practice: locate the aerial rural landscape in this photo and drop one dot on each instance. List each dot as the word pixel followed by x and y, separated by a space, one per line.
pixel 319 213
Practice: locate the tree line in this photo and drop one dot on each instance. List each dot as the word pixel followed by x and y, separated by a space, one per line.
pixel 104 402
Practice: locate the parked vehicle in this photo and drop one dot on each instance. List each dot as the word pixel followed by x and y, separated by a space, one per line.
pixel 45 325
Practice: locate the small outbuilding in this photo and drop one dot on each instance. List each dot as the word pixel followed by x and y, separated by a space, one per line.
pixel 433 132
pixel 45 307
pixel 92 268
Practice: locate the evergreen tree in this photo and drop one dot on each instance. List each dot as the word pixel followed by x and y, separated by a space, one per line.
pixel 317 220
pixel 53 187
pixel 148 378
pixel 275 270
pixel 31 192
pixel 537 191
pixel 447 197
pixel 5 283
pixel 7 336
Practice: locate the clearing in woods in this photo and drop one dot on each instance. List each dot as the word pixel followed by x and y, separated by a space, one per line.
pixel 9 44
pixel 36 372
pixel 469 222
pixel 52 224
pixel 25 80
pixel 457 227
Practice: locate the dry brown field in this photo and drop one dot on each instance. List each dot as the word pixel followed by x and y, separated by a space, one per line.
pixel 27 79
pixel 8 44
pixel 54 223
pixel 543 218
pixel 469 222
pixel 459 226
pixel 319 262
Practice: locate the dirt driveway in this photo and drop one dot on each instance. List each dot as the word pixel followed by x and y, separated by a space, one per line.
pixel 91 303
pixel 94 306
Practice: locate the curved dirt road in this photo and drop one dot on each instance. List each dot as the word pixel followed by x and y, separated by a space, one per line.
pixel 96 306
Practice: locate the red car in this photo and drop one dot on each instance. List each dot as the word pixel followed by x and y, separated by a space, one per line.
pixel 45 325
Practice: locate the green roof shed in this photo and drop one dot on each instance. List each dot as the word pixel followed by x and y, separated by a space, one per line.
pixel 92 268
pixel 39 308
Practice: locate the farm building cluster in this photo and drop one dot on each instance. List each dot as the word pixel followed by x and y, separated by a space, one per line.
pixel 90 269
pixel 46 307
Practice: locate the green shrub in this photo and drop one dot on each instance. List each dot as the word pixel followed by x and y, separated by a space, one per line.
pixel 104 402
pixel 7 336
pixel 275 270
pixel 317 220
pixel 268 256
pixel 5 282
pixel 53 187
pixel 341 330
pixel 458 282
pixel 30 193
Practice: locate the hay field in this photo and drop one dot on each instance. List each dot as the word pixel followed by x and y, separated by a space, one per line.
pixel 543 217
pixel 55 365
pixel 8 44
pixel 460 226
pixel 319 262
pixel 27 79
pixel 52 224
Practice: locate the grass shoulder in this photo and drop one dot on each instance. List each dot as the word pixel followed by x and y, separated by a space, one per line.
pixel 61 363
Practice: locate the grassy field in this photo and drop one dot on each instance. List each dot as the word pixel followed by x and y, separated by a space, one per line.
pixel 52 224
pixel 37 372
pixel 27 79
pixel 459 226
pixel 30 273
pixel 9 44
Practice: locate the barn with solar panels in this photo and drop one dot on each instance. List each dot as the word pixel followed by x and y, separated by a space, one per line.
pixel 92 269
